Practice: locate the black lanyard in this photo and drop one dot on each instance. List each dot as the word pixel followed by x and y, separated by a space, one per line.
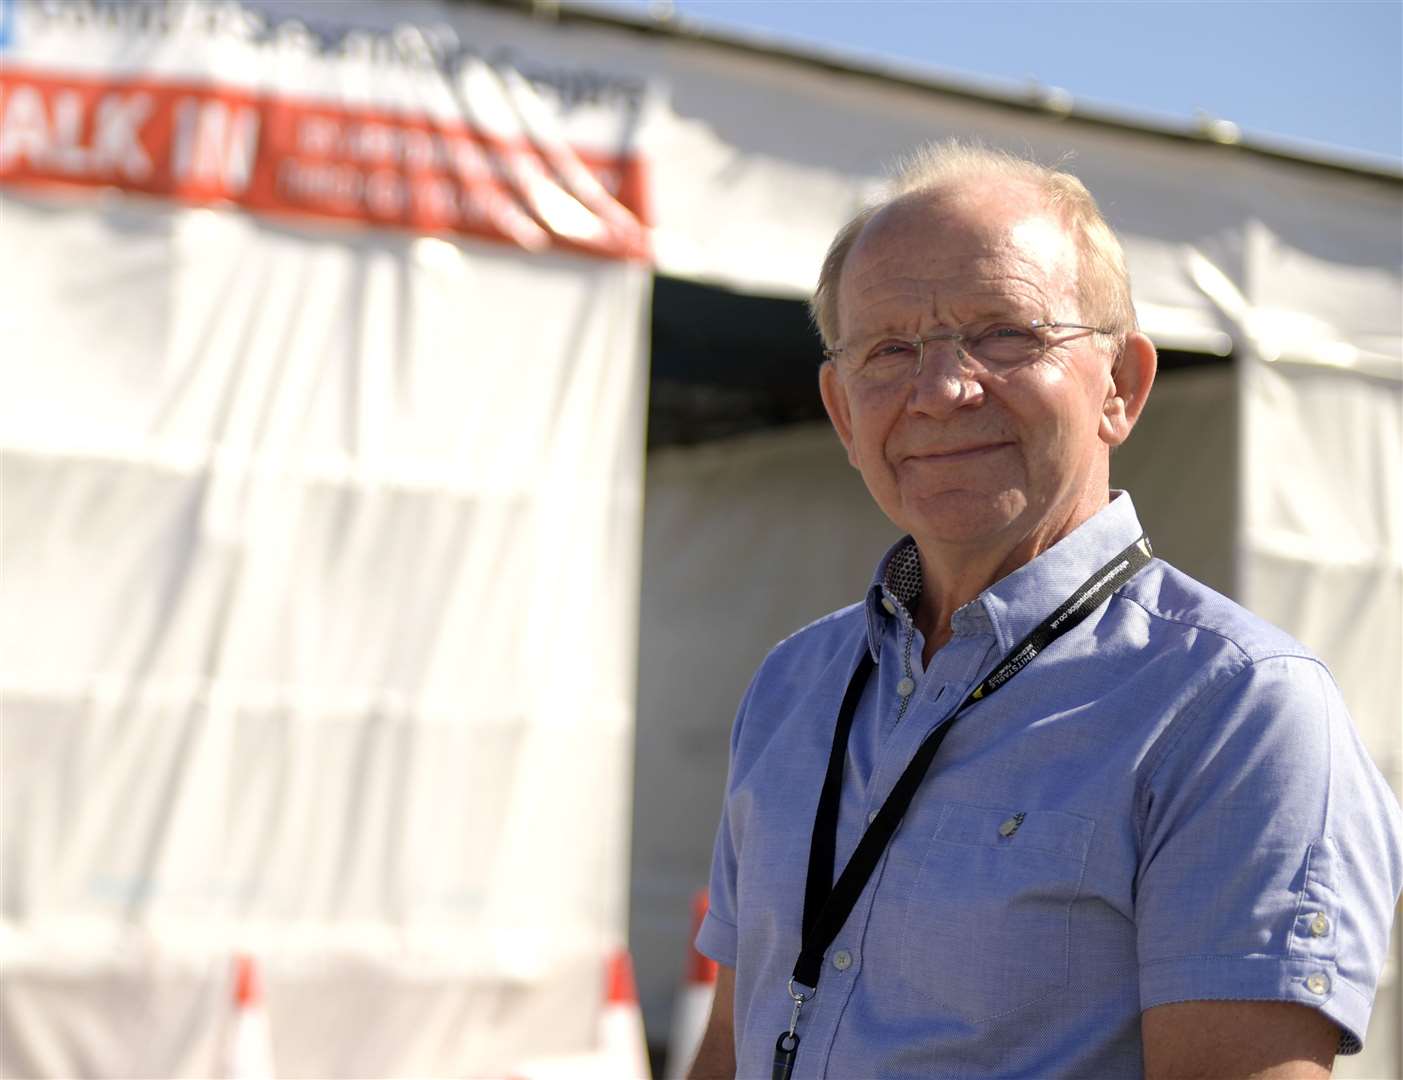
pixel 827 904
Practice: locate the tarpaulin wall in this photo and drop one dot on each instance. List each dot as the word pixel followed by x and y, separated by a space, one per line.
pixel 321 439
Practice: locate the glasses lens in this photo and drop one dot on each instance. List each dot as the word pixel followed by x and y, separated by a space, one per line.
pixel 885 359
pixel 888 359
pixel 1004 346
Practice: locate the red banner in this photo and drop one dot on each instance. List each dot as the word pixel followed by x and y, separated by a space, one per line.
pixel 213 145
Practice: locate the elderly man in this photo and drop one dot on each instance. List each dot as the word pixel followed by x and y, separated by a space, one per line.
pixel 1151 842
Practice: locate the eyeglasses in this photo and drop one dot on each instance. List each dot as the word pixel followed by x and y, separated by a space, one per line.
pixel 885 358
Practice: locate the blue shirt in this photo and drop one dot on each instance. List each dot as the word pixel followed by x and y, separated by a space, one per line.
pixel 1199 821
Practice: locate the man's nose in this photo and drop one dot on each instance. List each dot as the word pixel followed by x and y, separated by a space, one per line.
pixel 946 379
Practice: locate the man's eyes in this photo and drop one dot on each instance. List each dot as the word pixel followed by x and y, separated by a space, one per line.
pixel 889 350
pixel 999 342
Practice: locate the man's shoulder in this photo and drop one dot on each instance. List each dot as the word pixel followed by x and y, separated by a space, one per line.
pixel 811 663
pixel 1184 606
pixel 826 637
pixel 802 659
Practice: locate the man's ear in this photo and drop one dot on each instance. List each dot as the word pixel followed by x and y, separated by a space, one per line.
pixel 835 400
pixel 1132 375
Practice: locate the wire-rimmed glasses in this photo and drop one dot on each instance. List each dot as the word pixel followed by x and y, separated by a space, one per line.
pixel 888 358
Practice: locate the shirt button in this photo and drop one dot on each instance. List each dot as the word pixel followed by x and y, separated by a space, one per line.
pixel 888 605
pixel 1320 925
pixel 871 817
pixel 905 686
pixel 842 960
pixel 1316 984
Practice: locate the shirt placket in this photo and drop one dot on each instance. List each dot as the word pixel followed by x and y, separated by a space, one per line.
pixel 933 696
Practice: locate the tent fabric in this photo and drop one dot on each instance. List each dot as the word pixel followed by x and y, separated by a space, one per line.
pixel 320 555
pixel 322 459
pixel 1322 532
pixel 284 587
pixel 773 155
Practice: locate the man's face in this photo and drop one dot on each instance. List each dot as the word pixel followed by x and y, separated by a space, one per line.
pixel 959 455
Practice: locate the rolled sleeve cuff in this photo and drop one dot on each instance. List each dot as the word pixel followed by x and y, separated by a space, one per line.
pixel 717 939
pixel 1260 978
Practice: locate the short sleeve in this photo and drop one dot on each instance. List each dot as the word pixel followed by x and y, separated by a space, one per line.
pixel 1270 861
pixel 717 936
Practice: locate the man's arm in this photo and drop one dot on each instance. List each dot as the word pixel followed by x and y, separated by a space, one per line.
pixel 1217 1040
pixel 716 1057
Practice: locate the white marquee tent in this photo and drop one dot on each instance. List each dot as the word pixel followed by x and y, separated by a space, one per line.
pixel 328 336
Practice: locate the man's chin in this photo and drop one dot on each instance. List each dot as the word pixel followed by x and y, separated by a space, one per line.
pixel 962 518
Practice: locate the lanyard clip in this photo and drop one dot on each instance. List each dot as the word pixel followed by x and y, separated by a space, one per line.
pixel 787 1045
pixel 799 999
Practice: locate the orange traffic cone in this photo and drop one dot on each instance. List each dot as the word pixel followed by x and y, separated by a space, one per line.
pixel 621 1034
pixel 692 1008
pixel 250 1050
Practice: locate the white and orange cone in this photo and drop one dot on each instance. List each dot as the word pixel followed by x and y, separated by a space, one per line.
pixel 692 1008
pixel 250 1049
pixel 621 1034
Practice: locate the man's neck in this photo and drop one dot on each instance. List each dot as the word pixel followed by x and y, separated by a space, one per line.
pixel 952 577
pixel 942 594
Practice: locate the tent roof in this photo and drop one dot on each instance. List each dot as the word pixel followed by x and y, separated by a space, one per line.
pixel 1037 99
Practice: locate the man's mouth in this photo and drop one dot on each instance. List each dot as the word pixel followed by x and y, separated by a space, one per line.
pixel 959 453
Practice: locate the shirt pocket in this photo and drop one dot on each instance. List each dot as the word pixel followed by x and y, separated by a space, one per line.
pixel 987 926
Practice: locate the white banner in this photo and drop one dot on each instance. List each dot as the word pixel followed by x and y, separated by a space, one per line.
pixel 322 457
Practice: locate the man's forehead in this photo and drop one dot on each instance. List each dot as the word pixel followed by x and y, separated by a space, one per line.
pixel 967 219
pixel 966 239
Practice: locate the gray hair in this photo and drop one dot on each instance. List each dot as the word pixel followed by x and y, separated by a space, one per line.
pixel 1103 283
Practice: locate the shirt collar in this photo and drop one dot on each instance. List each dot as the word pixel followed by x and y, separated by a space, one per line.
pixel 1014 605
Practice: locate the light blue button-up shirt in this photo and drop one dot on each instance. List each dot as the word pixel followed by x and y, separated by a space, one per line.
pixel 1169 804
